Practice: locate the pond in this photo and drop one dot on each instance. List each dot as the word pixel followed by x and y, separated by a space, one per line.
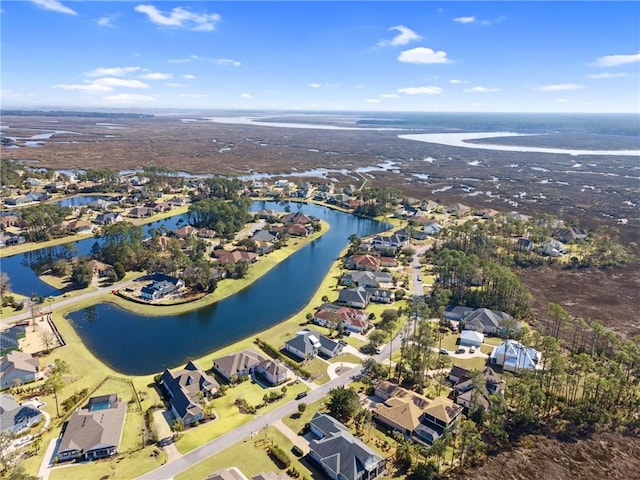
pixel 137 345
pixel 22 268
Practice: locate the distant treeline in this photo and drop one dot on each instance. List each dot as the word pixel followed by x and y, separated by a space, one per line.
pixel 65 113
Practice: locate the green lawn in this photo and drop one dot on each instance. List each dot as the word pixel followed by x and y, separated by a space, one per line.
pixel 296 423
pixel 229 417
pixel 318 370
pixel 346 358
pixel 475 363
pixel 249 455
pixel 124 466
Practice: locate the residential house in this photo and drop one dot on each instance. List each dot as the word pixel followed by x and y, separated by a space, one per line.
pixel 10 238
pixel 552 248
pixel 10 338
pixel 467 391
pixel 366 279
pixel 487 213
pixel 186 231
pixel 393 241
pixel 267 214
pixel 307 344
pixel 15 417
pixel 18 368
pixel 297 217
pixel 184 388
pixel 471 338
pixel 100 269
pixel 225 256
pixel 17 201
pixel 489 322
pixel 161 285
pixel 380 295
pixel 512 356
pixel 363 262
pixel 94 431
pixel 8 221
pixel 341 455
pixel 569 234
pixel 524 245
pixel 274 371
pixel 100 204
pixel 238 364
pixel 458 374
pixel 206 233
pixel 108 218
pixel 81 226
pixel 458 209
pixel 357 297
pixel 140 212
pixel 414 415
pixel 331 316
pixel 264 236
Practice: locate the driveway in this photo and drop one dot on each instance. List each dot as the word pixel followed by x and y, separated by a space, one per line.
pixel 296 439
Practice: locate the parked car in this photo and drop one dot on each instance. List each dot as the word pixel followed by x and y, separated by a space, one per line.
pixel 472 350
pixel 460 350
pixel 443 351
pixel 301 395
pixel 38 403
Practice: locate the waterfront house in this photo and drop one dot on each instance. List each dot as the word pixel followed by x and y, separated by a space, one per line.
pixel 332 316
pixel 182 388
pixel 94 431
pixel 307 344
pixel 108 218
pixel 227 257
pixel 366 279
pixel 274 371
pixel 358 297
pixel 140 212
pixel 161 285
pixel 238 364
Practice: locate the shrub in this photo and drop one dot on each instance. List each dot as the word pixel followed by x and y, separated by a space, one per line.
pixel 279 456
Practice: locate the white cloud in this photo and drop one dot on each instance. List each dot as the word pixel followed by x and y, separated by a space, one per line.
pixel 389 95
pixel 372 100
pixel 561 100
pixel 107 20
pixel 180 17
pixel 174 85
pixel 120 82
pixel 559 87
pixel 405 36
pixel 188 76
pixel 465 19
pixel 156 76
pixel 421 90
pixel 129 98
pixel 111 71
pixel 87 87
pixel 54 6
pixel 228 61
pixel 193 95
pixel 423 55
pixel 455 81
pixel 480 89
pixel 615 60
pixel 245 95
pixel 608 75
pixel 315 85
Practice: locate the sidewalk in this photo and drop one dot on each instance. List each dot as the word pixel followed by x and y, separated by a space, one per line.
pixel 47 460
pixel 293 436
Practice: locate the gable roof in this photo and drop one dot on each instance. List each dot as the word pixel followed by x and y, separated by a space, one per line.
pixel 90 430
pixel 354 295
pixel 12 413
pixel 340 451
pixel 236 362
pixel 400 411
pixel 16 360
pixel 184 386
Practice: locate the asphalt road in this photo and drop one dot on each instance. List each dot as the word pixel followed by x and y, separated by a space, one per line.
pixel 169 470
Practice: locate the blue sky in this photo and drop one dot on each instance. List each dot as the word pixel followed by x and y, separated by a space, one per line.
pixel 377 56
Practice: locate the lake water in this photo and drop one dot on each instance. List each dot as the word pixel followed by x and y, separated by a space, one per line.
pixel 137 345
